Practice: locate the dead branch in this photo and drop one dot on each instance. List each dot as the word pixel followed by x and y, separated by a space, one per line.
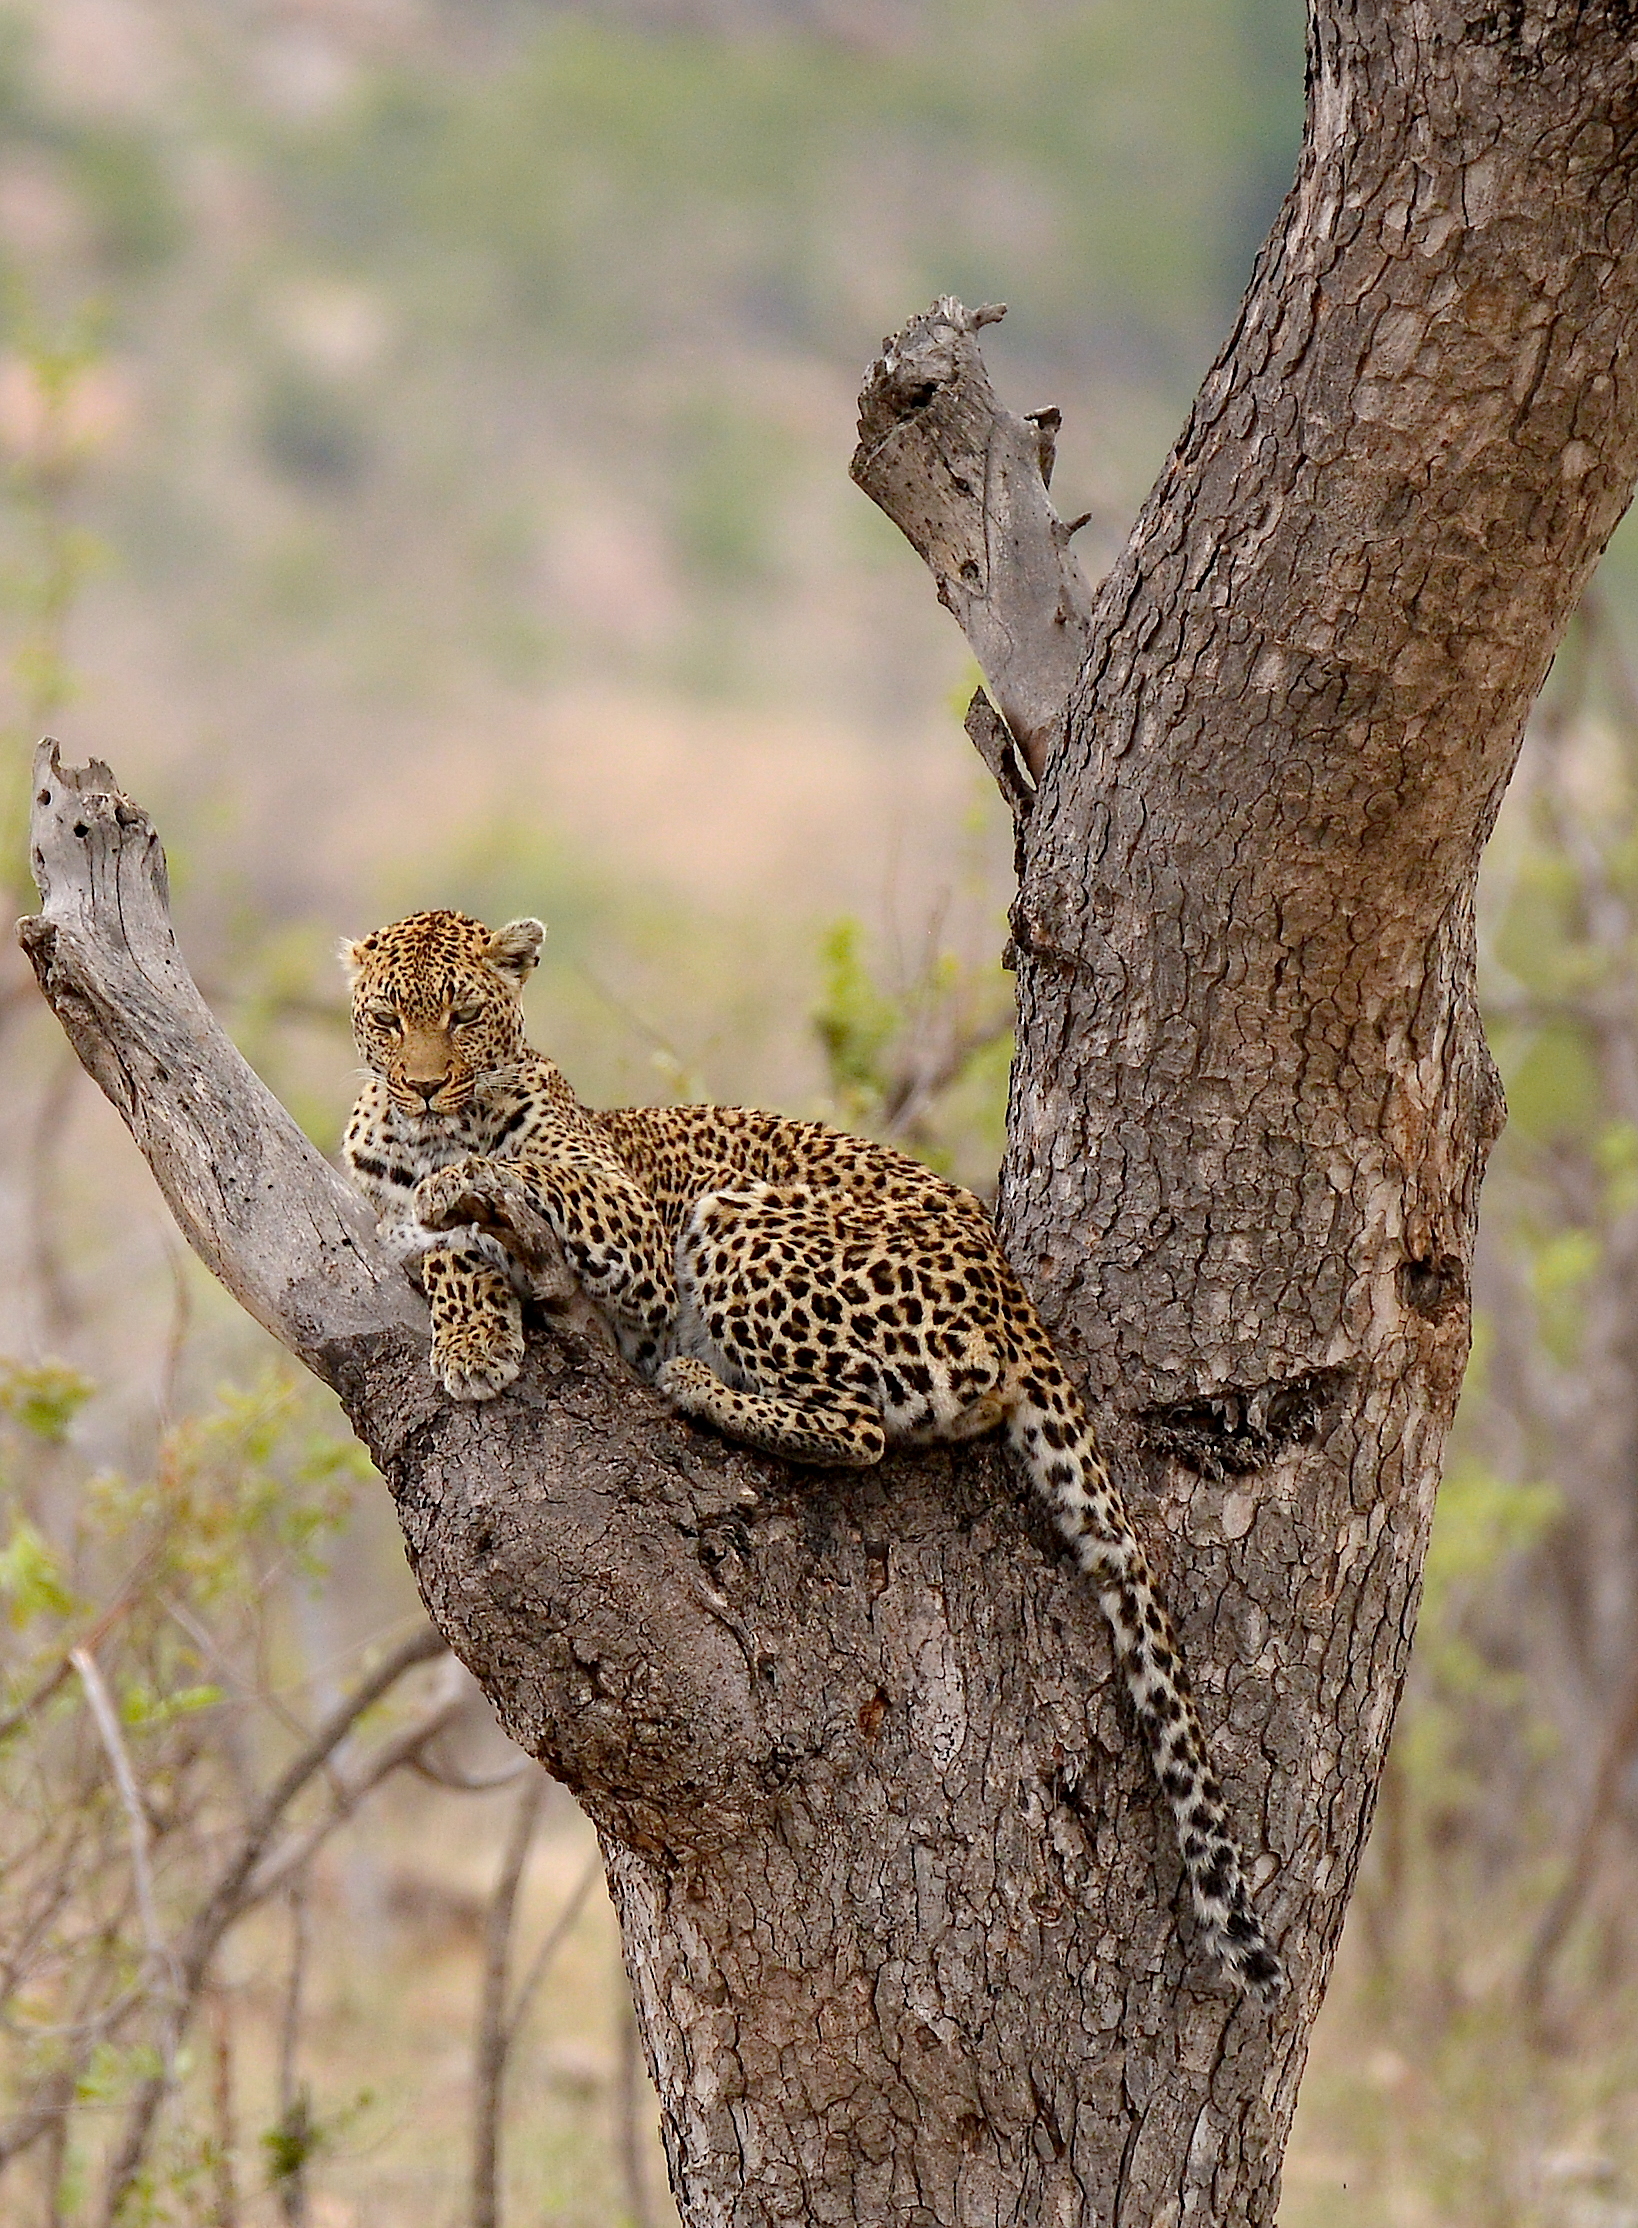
pixel 136 1816
pixel 966 481
pixel 272 1219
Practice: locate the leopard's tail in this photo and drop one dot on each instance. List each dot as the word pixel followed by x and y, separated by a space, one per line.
pixel 1054 1437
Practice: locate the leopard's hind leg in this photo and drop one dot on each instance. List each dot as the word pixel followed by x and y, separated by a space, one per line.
pixel 825 1425
pixel 763 1357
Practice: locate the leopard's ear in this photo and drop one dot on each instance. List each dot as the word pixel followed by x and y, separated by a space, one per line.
pixel 514 951
pixel 353 955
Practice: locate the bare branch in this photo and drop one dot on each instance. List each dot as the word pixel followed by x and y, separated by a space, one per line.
pixel 228 1899
pixel 136 1817
pixel 965 481
pixel 270 1217
pixel 347 1793
pixel 494 2034
pixel 541 1963
pixel 469 1783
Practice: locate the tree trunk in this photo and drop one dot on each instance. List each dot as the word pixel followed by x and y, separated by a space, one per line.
pixel 899 1904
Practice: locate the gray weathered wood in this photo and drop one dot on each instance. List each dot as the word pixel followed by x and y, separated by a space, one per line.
pixel 292 1242
pixel 965 480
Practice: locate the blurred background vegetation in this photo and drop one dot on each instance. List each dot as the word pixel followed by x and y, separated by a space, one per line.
pixel 424 428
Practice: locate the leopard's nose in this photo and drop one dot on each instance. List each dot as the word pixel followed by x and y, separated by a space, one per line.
pixel 428 1091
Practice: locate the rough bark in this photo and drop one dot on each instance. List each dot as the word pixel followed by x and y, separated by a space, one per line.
pixel 900 1913
pixel 1252 1099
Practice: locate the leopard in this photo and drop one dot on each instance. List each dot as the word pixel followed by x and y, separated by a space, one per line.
pixel 813 1295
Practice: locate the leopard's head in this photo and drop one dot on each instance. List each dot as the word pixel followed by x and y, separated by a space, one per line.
pixel 435 1004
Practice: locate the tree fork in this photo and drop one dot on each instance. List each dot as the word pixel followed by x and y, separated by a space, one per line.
pixel 899 1907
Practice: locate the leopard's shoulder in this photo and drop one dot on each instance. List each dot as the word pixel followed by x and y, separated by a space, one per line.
pixel 526 1103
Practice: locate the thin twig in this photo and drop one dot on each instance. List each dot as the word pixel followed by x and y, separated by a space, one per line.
pixel 51 2102
pixel 912 1093
pixel 38 1696
pixel 541 1963
pixel 212 1652
pixel 346 1795
pixel 464 1783
pixel 1620 1745
pixel 494 2036
pixel 227 1900
pixel 666 1054
pixel 136 1817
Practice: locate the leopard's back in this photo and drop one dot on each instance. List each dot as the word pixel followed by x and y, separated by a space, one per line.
pixel 680 1152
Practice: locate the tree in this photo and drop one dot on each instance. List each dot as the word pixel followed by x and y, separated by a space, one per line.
pixel 899 1907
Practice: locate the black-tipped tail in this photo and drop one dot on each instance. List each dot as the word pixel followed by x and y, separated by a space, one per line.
pixel 1054 1437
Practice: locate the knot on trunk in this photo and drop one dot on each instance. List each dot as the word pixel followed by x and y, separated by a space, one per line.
pixel 1243 1428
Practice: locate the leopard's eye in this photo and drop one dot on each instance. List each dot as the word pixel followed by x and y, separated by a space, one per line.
pixel 383 1017
pixel 464 1016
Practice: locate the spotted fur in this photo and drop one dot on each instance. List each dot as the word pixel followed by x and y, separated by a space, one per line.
pixel 800 1290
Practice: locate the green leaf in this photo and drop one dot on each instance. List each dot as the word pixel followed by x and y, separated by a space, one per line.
pixel 44 1397
pixel 31 1577
pixel 854 1020
pixel 140 1707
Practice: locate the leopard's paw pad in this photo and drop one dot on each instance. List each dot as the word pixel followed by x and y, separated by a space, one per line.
pixel 450 1196
pixel 473 1367
pixel 688 1384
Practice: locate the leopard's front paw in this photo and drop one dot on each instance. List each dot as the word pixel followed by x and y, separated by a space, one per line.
pixel 491 1197
pixel 478 1361
pixel 464 1192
